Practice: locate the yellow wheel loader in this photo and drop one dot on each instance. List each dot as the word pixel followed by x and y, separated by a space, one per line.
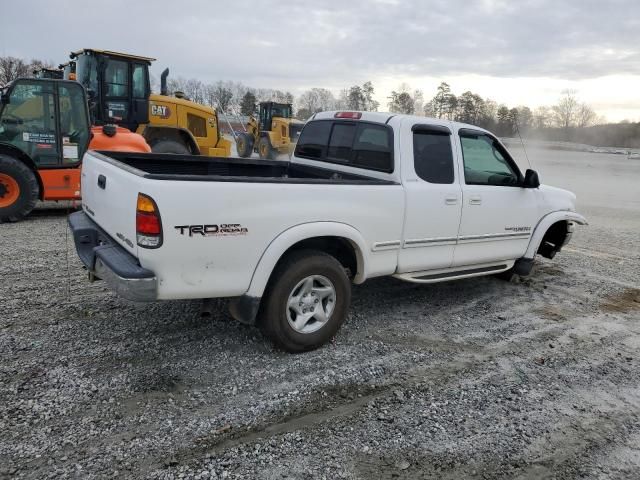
pixel 273 133
pixel 119 91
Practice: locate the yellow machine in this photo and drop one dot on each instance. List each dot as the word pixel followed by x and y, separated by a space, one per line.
pixel 273 133
pixel 119 90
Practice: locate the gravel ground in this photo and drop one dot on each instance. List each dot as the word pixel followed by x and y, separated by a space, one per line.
pixel 537 378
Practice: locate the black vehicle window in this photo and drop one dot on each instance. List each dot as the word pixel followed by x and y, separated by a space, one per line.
pixel 313 140
pixel 341 142
pixel 74 124
pixel 485 163
pixel 372 148
pixel 432 157
pixel 87 72
pixel 139 81
pixel 116 78
pixel 28 121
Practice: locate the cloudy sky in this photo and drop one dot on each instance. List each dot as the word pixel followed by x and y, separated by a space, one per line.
pixel 516 52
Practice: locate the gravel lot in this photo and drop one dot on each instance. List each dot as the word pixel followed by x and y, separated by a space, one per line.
pixel 537 378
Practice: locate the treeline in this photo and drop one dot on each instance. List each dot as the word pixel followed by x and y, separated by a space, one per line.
pixel 471 108
pixel 568 119
pixel 12 68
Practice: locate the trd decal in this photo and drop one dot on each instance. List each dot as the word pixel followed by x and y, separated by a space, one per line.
pixel 161 111
pixel 518 229
pixel 221 230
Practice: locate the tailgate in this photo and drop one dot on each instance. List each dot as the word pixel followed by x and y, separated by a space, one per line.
pixel 109 195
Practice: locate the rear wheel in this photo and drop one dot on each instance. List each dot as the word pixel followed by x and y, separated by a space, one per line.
pixel 19 189
pixel 170 146
pixel 244 145
pixel 306 302
pixel 265 150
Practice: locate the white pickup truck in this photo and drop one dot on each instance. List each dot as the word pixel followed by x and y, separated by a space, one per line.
pixel 364 195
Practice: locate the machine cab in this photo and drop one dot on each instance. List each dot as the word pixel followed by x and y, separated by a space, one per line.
pixel 45 119
pixel 46 72
pixel 117 84
pixel 268 110
pixel 68 70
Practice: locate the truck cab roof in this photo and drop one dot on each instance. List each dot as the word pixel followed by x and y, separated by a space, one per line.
pixel 389 118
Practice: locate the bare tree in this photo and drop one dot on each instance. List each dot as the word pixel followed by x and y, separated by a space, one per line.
pixel 315 100
pixel 542 117
pixel 585 116
pixel 566 109
pixel 12 68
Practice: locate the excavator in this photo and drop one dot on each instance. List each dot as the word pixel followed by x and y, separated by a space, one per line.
pixel 45 129
pixel 274 132
pixel 119 89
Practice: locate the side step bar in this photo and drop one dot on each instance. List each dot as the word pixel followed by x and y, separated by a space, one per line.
pixel 448 274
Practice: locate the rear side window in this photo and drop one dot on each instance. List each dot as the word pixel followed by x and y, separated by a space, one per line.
pixel 358 144
pixel 432 157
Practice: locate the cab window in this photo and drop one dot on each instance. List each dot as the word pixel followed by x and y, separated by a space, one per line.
pixel 28 121
pixel 139 80
pixel 486 162
pixel 358 144
pixel 116 78
pixel 74 124
pixel 432 157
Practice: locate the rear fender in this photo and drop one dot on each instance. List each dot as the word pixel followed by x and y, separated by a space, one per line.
pixel 290 237
pixel 545 224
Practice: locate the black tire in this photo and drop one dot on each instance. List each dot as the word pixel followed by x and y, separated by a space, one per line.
pixel 29 193
pixel 170 146
pixel 507 275
pixel 244 145
pixel 274 315
pixel 265 150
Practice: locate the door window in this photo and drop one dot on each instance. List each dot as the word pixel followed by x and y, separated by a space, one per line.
pixel 74 124
pixel 139 81
pixel 486 162
pixel 116 78
pixel 28 121
pixel 432 157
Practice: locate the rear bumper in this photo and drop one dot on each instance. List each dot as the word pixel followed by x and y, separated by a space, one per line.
pixel 110 262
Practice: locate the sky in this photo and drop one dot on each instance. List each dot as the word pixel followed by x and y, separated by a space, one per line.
pixel 516 52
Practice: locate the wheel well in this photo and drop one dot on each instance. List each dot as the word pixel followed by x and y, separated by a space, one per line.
pixel 554 239
pixel 338 247
pixel 24 158
pixel 154 135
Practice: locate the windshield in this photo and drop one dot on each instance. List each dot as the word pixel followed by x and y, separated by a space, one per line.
pixel 87 72
pixel 283 111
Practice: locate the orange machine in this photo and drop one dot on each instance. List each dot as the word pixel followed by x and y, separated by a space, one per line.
pixel 44 132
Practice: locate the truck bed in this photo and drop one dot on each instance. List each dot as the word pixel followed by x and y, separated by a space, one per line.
pixel 156 166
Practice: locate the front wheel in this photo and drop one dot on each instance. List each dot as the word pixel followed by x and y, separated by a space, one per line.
pixel 265 150
pixel 19 189
pixel 244 145
pixel 306 302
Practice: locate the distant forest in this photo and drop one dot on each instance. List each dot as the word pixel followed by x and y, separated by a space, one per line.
pixel 569 120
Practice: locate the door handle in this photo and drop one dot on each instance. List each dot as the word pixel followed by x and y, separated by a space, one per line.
pixel 475 200
pixel 451 200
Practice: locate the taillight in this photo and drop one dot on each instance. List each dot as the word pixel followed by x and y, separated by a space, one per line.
pixel 352 115
pixel 148 223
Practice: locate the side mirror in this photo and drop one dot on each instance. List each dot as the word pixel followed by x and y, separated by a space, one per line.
pixel 531 179
pixel 4 99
